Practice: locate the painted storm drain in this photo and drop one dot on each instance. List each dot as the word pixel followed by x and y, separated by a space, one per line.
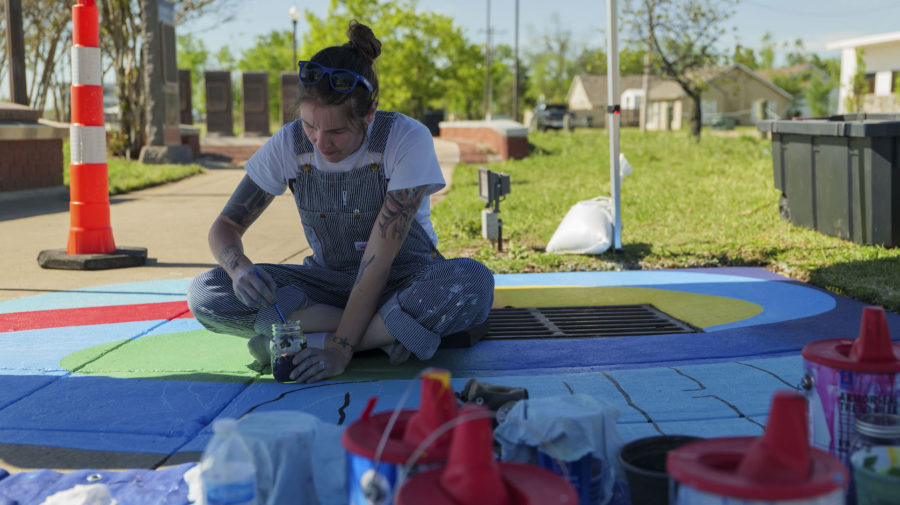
pixel 583 322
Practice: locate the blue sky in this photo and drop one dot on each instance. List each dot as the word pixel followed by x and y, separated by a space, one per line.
pixel 816 22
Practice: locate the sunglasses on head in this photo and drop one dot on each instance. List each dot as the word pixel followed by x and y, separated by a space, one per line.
pixel 341 79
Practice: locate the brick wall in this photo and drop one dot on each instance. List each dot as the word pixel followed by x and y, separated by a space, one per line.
pixel 30 164
pixel 513 145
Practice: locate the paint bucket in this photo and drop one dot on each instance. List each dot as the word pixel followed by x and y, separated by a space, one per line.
pixel 779 467
pixel 845 378
pixel 473 477
pixel 644 461
pixel 374 475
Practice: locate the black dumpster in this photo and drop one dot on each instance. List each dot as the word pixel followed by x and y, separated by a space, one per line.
pixel 840 175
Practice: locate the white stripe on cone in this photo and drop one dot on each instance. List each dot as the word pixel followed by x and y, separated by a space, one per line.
pixel 88 144
pixel 86 66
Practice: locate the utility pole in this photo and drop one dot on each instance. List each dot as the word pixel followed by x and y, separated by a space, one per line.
pixel 515 111
pixel 487 65
pixel 15 44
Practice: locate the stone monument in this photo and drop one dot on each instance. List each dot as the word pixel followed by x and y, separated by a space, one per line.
pixel 219 119
pixel 256 104
pixel 290 83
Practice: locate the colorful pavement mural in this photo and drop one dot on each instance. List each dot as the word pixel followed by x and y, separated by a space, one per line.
pixel 122 376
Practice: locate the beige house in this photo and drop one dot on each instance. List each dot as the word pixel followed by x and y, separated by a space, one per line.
pixel 734 93
pixel 881 56
pixel 587 99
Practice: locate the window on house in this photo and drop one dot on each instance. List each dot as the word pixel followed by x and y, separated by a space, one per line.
pixel 870 83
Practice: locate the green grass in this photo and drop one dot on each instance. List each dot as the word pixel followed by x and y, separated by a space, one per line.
pixel 687 204
pixel 129 175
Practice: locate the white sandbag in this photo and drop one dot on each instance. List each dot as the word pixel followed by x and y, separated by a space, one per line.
pixel 586 229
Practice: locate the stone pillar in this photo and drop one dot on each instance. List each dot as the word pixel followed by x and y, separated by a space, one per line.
pixel 186 115
pixel 219 119
pixel 256 103
pixel 290 83
pixel 161 86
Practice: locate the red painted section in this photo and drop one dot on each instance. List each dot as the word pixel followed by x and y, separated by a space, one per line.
pixel 40 319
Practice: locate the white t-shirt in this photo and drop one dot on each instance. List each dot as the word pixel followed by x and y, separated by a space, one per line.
pixel 409 161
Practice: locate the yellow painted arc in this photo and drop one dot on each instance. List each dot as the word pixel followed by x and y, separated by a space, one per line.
pixel 702 311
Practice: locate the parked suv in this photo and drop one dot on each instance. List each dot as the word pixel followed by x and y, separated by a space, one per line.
pixel 552 115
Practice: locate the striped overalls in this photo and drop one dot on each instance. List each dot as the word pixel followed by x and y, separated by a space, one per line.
pixel 426 296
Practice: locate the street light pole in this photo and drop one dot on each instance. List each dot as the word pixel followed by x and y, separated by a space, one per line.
pixel 295 15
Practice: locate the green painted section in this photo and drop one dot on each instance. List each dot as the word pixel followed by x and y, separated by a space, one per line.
pixel 201 355
pixel 198 355
pixel 699 310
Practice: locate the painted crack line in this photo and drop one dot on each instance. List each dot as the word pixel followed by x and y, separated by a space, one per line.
pixel 631 403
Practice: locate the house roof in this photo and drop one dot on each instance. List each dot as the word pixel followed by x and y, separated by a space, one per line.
pixel 772 73
pixel 671 90
pixel 595 86
pixel 868 40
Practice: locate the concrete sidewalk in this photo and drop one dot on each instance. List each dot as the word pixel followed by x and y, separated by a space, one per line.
pixel 171 221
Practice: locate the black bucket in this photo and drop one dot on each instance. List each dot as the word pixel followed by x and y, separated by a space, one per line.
pixel 644 461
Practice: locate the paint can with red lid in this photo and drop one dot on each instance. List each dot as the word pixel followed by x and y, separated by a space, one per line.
pixel 844 378
pixel 472 476
pixel 380 445
pixel 779 467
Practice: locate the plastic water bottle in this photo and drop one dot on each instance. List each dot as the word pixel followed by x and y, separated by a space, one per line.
pixel 228 472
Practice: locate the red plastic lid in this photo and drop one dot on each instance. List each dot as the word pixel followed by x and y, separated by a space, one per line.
pixel 780 465
pixel 872 352
pixel 524 484
pixel 362 437
pixel 437 406
pixel 473 477
pixel 710 465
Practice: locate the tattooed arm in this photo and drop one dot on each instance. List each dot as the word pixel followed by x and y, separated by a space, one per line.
pixel 245 205
pixel 388 234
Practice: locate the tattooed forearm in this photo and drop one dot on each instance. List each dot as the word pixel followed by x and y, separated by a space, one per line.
pixel 229 256
pixel 399 208
pixel 247 203
pixel 362 268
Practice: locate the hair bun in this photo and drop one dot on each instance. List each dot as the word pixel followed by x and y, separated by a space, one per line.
pixel 363 40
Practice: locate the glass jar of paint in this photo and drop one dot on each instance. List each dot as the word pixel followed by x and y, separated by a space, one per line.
pixel 875 459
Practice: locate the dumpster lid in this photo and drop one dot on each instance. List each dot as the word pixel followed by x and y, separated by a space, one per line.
pixel 847 125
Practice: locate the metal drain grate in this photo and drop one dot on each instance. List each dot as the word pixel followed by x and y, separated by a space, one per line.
pixel 582 321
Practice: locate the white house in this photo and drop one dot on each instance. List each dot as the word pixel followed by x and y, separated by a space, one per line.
pixel 881 57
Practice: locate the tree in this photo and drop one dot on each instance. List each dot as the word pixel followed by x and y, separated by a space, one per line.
pixel 121 43
pixel 818 94
pixel 897 88
pixel 48 38
pixel 684 36
pixel 767 52
pixel 194 56
pixel 425 57
pixel 745 56
pixel 503 77
pixel 553 66
pixel 859 85
pixel 272 53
